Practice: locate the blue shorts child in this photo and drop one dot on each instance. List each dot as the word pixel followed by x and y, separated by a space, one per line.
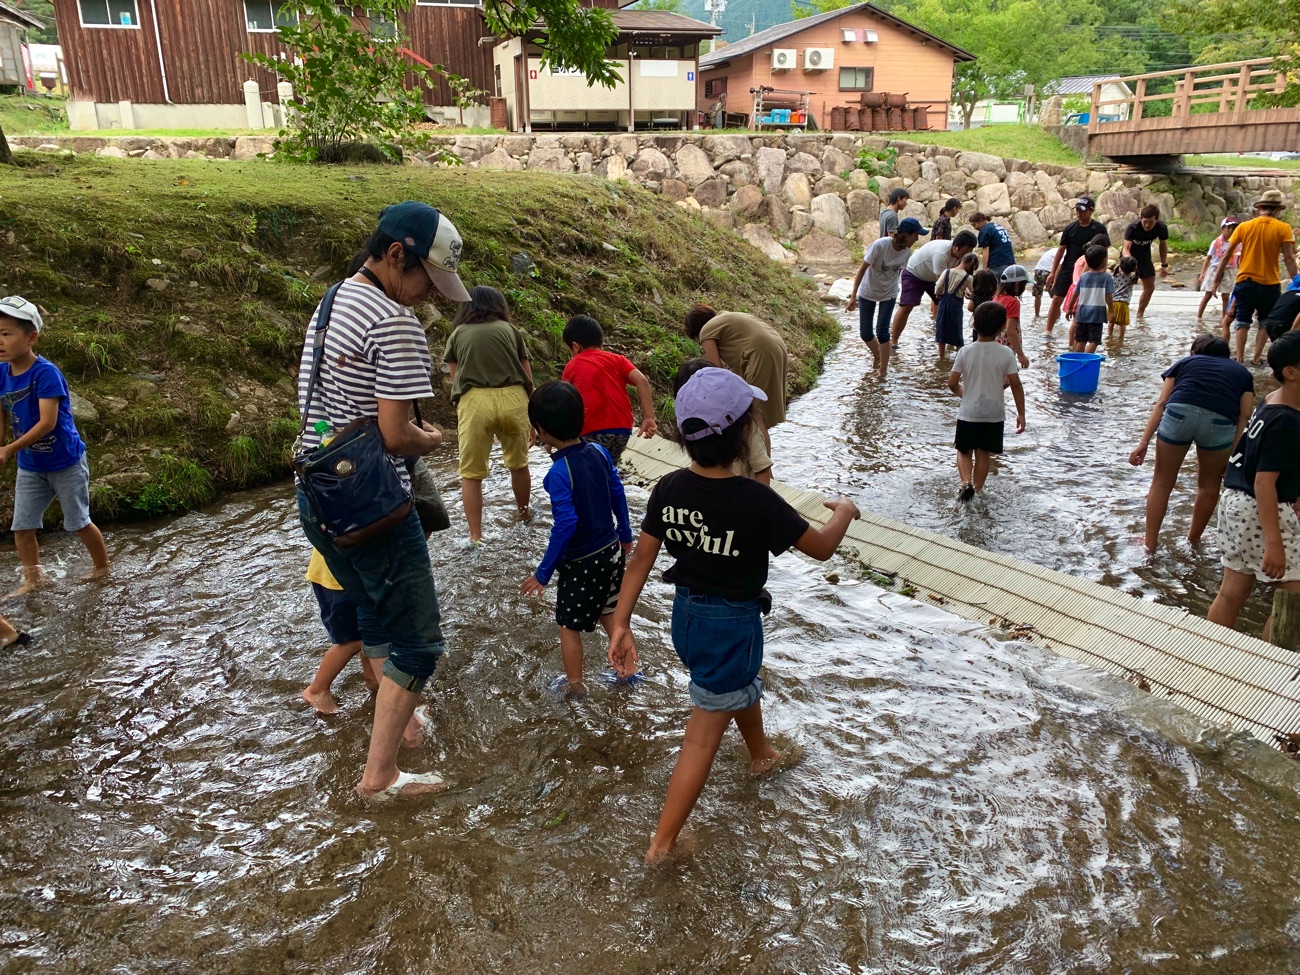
pixel 34 490
pixel 720 641
pixel 883 311
pixel 338 613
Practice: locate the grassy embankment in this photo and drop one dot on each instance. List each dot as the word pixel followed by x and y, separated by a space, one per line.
pixel 192 378
pixel 1009 141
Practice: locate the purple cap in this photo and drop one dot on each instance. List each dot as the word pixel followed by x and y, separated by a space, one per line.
pixel 715 397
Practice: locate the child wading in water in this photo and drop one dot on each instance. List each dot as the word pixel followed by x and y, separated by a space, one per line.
pixel 1010 288
pixel 587 548
pixel 1093 295
pixel 979 375
pixel 720 529
pixel 1210 268
pixel 950 289
pixel 1126 275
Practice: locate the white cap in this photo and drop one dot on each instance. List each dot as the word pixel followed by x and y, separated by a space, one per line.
pixel 17 307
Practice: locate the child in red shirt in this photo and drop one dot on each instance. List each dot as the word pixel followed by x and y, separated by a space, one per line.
pixel 603 378
pixel 1010 288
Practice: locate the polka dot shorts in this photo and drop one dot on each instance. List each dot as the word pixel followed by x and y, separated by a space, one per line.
pixel 1242 538
pixel 589 588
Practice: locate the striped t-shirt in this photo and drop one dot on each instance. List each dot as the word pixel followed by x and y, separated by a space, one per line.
pixel 374 349
pixel 1092 290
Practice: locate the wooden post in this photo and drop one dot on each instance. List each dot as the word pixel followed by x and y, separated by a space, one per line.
pixel 1096 107
pixel 1189 85
pixel 1139 97
pixel 1243 91
pixel 1285 622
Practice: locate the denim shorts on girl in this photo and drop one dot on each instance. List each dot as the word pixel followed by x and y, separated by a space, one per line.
pixel 721 643
pixel 34 490
pixel 1184 424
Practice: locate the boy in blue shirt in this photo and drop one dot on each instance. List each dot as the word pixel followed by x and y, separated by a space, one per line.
pixel 1093 300
pixel 51 454
pixel 586 547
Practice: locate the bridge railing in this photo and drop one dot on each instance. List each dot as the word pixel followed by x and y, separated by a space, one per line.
pixel 1228 88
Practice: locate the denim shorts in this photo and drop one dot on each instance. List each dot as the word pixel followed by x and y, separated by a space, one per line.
pixel 391 581
pixel 34 490
pixel 883 311
pixel 721 643
pixel 1184 424
pixel 338 614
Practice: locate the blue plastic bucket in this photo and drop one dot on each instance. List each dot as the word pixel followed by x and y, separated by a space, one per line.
pixel 1080 372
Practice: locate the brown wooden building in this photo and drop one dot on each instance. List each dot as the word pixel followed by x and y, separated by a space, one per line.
pixel 158 64
pixel 833 59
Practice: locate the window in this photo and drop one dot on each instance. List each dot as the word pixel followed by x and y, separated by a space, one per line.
pixel 267 15
pixel 856 79
pixel 447 3
pixel 715 87
pixel 109 13
pixel 381 28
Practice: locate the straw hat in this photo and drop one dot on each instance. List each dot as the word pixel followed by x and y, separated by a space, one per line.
pixel 1271 198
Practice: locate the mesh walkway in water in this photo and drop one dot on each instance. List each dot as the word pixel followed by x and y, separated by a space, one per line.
pixel 1225 677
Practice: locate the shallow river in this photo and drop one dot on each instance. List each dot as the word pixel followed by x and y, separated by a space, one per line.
pixel 168 804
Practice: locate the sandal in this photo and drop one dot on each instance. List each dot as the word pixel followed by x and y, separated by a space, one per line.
pixel 405 779
pixel 20 639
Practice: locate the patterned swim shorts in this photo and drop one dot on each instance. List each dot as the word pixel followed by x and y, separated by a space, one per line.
pixel 1040 282
pixel 1242 539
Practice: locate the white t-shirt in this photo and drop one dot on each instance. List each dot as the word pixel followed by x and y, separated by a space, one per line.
pixel 884 265
pixel 374 348
pixel 984 367
pixel 931 260
pixel 1045 262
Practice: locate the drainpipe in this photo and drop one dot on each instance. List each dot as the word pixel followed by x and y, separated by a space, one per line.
pixel 631 70
pixel 157 36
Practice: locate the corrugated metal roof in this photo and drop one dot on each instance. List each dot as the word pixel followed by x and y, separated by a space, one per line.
pixel 1221 675
pixel 22 16
pixel 660 21
pixel 1082 84
pixel 781 31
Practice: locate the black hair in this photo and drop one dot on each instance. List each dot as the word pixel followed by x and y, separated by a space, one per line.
pixel 990 318
pixel 584 330
pixel 952 204
pixel 1095 256
pixel 1101 240
pixel 27 327
pixel 697 318
pixel 1016 288
pixel 1284 352
pixel 1208 344
pixel 556 408
pixel 898 194
pixel 1128 265
pixel 978 217
pixel 688 369
pixel 984 282
pixel 376 247
pixel 965 239
pixel 1149 211
pixel 485 305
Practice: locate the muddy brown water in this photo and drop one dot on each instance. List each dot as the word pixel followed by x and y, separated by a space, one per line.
pixel 966 804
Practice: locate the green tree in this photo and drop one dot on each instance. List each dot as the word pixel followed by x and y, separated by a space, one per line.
pixel 800 9
pixel 352 84
pixel 669 6
pixel 1239 30
pixel 42 10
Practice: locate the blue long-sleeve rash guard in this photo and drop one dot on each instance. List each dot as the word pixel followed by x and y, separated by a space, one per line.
pixel 586 498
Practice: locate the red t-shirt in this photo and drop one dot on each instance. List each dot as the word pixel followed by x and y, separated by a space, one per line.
pixel 602 379
pixel 1012 304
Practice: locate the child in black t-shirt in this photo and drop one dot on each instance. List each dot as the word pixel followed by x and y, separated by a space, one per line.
pixel 1259 528
pixel 720 528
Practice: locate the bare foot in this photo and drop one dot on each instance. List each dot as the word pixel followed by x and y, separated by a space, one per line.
pixel 684 846
pixel 322 701
pixel 31 583
pixel 418 728
pixel 575 692
pixel 98 572
pixel 525 515
pixel 776 761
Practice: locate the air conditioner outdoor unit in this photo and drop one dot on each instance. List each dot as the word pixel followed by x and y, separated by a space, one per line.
pixel 818 58
pixel 783 58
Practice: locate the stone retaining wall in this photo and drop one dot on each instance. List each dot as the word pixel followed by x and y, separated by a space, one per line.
pixel 801 197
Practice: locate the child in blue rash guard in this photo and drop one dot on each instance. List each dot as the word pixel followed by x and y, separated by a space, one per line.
pixel 721 530
pixel 587 548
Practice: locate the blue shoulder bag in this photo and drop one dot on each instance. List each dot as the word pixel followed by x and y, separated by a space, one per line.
pixel 351 482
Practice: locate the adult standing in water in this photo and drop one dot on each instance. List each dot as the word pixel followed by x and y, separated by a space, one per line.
pixel 924 268
pixel 1138 238
pixel 1074 241
pixel 1263 240
pixel 375 364
pixel 1206 400
pixel 753 350
pixel 875 288
pixel 491 380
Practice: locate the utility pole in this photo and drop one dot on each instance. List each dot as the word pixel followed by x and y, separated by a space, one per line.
pixel 753 24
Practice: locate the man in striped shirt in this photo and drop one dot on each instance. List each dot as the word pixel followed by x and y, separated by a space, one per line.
pixel 375 363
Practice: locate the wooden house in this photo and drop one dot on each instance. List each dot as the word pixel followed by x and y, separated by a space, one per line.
pixel 15 63
pixel 657 57
pixel 832 60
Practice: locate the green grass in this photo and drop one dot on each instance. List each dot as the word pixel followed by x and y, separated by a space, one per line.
pixel 32 115
pixel 202 371
pixel 1009 141
pixel 1246 162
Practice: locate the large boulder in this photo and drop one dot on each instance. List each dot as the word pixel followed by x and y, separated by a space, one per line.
pixel 1193 212
pixel 944 163
pixel 803 162
pixel 993 200
pixel 693 164
pixel 722 219
pixel 760 237
pixel 251 146
pixel 519 145
pixel 830 214
pixel 777 213
pixel 863 207
pixel 651 164
pixel 586 162
pixel 836 163
pixel 1027 198
pixel 747 202
pixel 1055 217
pixel 887 184
pixel 740 173
pixel 111 152
pixel 830 184
pixel 724 148
pixel 499 159
pixel 974 162
pixel 1098 182
pixel 674 189
pixel 712 192
pixel 83 410
pixel 1118 203
pixel 1016 180
pixel 550 160
pixel 1028 227
pixel 1047 186
pixel 956 183
pixel 622 145
pixel 859 179
pixel 797 190
pixel 801 223
pixel 908 167
pixel 770 164
pixel 923 191
pixel 612 167
pixel 819 248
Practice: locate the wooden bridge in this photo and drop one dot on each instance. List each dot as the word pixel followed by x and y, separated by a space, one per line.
pixel 1216 108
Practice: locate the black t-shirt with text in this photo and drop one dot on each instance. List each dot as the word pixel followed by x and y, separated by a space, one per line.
pixel 1140 239
pixel 1075 239
pixel 720 531
pixel 1271 442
